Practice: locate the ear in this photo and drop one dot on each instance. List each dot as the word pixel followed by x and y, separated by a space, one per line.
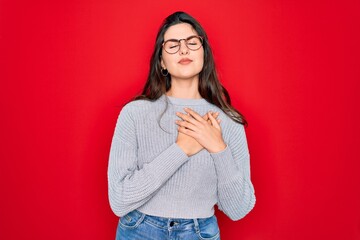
pixel 162 63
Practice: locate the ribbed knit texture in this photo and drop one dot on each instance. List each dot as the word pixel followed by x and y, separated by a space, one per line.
pixel 149 172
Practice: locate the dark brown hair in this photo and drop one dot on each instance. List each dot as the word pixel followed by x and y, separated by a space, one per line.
pixel 210 87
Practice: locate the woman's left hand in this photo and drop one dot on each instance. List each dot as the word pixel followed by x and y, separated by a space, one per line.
pixel 206 134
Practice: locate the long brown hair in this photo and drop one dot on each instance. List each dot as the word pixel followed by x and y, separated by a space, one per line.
pixel 210 87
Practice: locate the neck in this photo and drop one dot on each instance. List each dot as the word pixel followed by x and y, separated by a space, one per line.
pixel 184 88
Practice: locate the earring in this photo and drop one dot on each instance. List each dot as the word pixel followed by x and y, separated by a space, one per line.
pixel 164 72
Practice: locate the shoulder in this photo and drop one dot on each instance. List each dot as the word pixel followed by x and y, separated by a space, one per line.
pixel 141 107
pixel 136 104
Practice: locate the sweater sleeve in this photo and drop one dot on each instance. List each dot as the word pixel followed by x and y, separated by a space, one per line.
pixel 129 186
pixel 236 196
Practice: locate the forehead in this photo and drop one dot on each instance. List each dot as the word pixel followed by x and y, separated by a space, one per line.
pixel 179 31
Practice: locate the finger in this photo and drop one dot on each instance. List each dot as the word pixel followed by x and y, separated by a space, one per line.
pixel 186 132
pixel 214 122
pixel 187 117
pixel 194 114
pixel 205 117
pixel 218 120
pixel 186 125
pixel 214 114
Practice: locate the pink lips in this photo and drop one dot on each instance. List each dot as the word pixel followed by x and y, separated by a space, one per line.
pixel 185 61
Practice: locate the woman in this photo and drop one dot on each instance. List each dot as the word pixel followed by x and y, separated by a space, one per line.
pixel 180 148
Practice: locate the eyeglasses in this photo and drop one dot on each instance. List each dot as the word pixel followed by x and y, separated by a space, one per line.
pixel 193 43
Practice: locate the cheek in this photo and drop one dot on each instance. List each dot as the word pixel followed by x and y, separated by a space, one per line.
pixel 167 61
pixel 201 59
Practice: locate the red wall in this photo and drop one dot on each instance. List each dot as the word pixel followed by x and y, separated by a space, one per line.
pixel 292 67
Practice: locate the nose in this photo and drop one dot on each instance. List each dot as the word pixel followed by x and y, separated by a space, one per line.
pixel 183 48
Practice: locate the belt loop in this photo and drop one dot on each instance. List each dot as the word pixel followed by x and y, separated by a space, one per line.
pixel 196 223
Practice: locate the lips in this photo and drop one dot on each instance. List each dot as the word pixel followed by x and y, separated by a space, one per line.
pixel 185 61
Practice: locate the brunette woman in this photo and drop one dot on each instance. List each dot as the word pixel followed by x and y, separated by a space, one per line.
pixel 179 148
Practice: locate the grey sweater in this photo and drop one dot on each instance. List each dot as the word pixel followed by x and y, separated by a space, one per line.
pixel 149 172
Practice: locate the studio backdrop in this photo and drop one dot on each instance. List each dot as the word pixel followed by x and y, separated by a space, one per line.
pixel 68 67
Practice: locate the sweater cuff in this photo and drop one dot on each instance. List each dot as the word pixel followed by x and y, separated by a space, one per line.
pixel 225 164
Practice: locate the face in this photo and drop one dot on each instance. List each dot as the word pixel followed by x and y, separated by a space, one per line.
pixel 186 63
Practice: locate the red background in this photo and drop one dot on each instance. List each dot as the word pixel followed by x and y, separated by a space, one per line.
pixel 67 67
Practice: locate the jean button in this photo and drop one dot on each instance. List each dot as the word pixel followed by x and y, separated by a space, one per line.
pixel 172 223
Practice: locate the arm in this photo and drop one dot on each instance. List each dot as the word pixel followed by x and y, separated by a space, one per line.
pixel 235 191
pixel 128 186
pixel 236 195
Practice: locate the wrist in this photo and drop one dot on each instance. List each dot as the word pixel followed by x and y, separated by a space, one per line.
pixel 221 147
pixel 183 148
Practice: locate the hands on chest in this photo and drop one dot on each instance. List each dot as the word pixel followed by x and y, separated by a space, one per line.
pixel 196 132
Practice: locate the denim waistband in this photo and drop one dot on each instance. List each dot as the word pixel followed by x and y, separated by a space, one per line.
pixel 173 223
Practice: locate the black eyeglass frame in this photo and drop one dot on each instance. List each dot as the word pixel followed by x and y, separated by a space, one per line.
pixel 186 43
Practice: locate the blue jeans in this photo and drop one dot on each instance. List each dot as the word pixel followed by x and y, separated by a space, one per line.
pixel 138 226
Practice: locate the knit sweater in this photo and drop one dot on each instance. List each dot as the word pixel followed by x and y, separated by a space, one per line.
pixel 149 172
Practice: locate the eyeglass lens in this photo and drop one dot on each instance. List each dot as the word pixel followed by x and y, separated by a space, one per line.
pixel 173 45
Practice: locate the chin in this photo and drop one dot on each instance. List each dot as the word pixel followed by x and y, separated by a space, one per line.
pixel 186 75
pixel 190 77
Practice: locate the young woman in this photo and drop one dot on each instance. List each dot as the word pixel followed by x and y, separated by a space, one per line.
pixel 180 148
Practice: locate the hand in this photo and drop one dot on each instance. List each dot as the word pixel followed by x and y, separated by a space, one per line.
pixel 206 117
pixel 207 135
pixel 188 144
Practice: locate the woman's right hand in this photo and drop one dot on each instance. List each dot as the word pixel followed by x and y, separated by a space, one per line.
pixel 188 144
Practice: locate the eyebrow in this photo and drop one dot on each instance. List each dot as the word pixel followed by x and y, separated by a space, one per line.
pixel 177 40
